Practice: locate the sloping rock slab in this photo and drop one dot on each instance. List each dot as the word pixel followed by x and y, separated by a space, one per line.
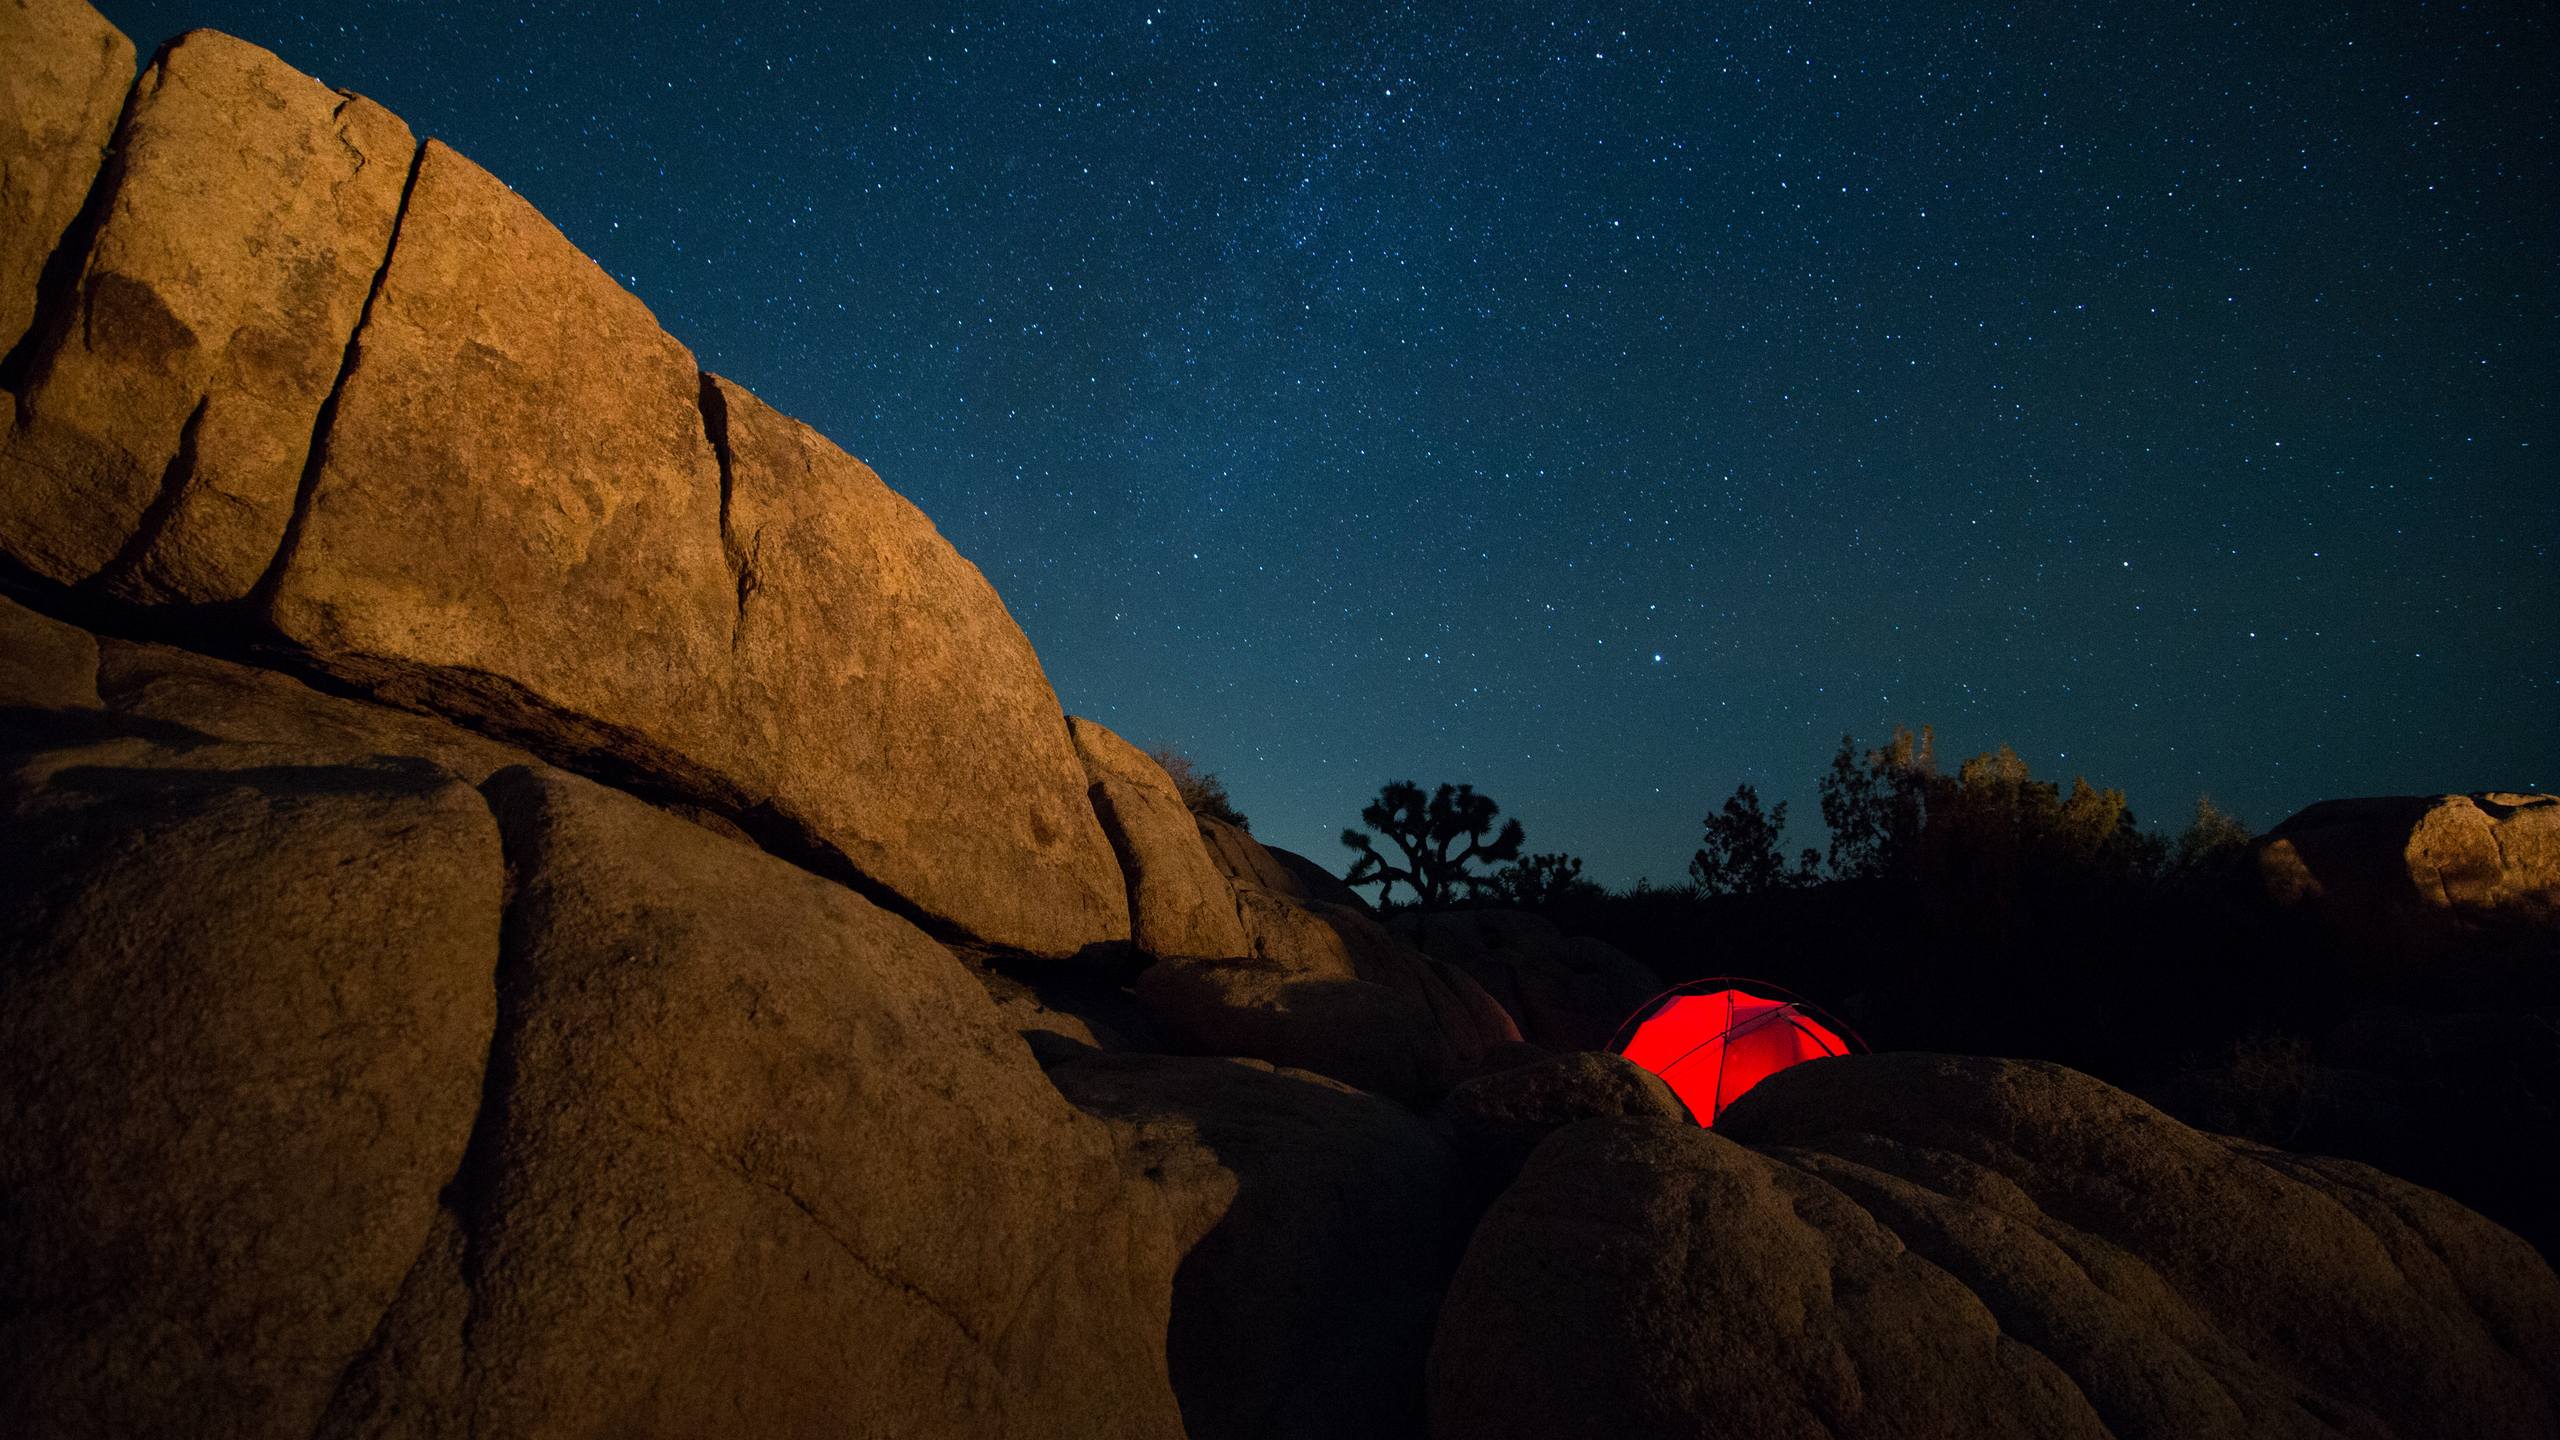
pixel 759 1158
pixel 1318 1232
pixel 169 408
pixel 1248 861
pixel 245 1004
pixel 59 94
pixel 1927 1245
pixel 1179 904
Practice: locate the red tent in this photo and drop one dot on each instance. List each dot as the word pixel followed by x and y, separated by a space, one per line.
pixel 1712 1040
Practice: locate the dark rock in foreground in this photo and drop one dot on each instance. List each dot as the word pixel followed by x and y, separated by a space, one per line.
pixel 1926 1245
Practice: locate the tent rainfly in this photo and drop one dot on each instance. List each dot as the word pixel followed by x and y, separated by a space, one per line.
pixel 1711 1040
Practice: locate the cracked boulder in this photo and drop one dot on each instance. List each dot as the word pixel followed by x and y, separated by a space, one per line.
pixel 60 92
pixel 759 1158
pixel 245 1005
pixel 1178 902
pixel 173 385
pixel 1929 1245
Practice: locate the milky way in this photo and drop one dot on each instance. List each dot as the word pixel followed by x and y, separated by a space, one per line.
pixel 1609 406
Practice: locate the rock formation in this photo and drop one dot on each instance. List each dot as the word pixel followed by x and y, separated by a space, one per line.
pixel 1178 902
pixel 544 899
pixel 66 78
pixel 1926 1245
pixel 640 570
pixel 2420 866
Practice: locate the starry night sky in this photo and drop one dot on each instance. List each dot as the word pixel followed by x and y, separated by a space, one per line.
pixel 1607 406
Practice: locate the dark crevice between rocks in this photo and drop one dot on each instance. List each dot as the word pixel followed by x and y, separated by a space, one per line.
pixel 176 479
pixel 262 595
pixel 373 1380
pixel 742 558
pixel 58 282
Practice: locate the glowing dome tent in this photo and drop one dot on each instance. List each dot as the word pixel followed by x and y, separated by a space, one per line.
pixel 1711 1040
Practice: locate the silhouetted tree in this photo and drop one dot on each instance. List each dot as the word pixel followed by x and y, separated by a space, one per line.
pixel 1427 832
pixel 2213 843
pixel 1875 806
pixel 1741 855
pixel 1541 881
pixel 1203 793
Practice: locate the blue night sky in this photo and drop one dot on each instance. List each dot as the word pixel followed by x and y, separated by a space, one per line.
pixel 1607 406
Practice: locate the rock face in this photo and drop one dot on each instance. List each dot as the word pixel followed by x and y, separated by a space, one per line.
pixel 793 642
pixel 1925 1245
pixel 313 1054
pixel 1567 994
pixel 718 1187
pixel 1318 1231
pixel 171 396
pixel 66 78
pixel 894 712
pixel 1248 861
pixel 2420 866
pixel 1499 1119
pixel 245 1006
pixel 364 386
pixel 1179 904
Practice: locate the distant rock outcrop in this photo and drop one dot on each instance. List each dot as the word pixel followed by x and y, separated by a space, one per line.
pixel 1927 1245
pixel 2420 866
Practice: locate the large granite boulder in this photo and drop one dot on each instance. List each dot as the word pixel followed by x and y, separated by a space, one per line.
pixel 345 1099
pixel 1566 993
pixel 1926 1245
pixel 1318 1229
pixel 2420 867
pixel 245 1008
pixel 60 92
pixel 173 386
pixel 792 643
pixel 303 361
pixel 758 1158
pixel 1179 903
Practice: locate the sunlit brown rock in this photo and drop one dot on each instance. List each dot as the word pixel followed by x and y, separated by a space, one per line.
pixel 1179 904
pixel 170 398
pixel 65 79
pixel 887 705
pixel 1930 1245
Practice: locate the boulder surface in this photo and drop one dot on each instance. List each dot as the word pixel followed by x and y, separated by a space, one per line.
pixel 172 393
pixel 1928 1245
pixel 59 94
pixel 1179 903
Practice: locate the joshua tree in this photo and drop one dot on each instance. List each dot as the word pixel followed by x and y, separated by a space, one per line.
pixel 1428 833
